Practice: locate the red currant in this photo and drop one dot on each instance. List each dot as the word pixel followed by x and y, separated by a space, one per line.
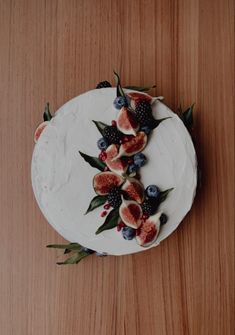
pixel 107 206
pixel 104 213
pixel 114 123
pixel 103 156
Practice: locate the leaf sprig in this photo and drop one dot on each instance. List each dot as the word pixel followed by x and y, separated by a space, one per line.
pixel 110 222
pixel 47 114
pixel 187 116
pixel 93 161
pixel 78 252
pixel 140 88
pixel 97 201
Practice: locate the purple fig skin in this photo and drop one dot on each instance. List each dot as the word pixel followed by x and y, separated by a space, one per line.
pixel 149 230
pixel 103 182
pixel 126 122
pixel 135 145
pixel 135 189
pixel 118 165
pixel 131 213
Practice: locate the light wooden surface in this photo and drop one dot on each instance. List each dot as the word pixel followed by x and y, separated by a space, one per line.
pixel 54 50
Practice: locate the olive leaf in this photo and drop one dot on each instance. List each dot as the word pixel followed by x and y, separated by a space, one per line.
pixel 120 91
pixel 47 115
pixel 79 252
pixel 97 201
pixel 157 122
pixel 75 258
pixel 93 161
pixel 163 195
pixel 110 222
pixel 100 126
pixel 187 117
pixel 67 251
pixel 140 88
pixel 70 246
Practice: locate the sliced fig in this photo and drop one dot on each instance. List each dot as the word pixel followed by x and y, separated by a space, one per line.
pixel 126 122
pixel 118 165
pixel 103 182
pixel 134 188
pixel 131 213
pixel 137 97
pixel 134 145
pixel 39 130
pixel 148 232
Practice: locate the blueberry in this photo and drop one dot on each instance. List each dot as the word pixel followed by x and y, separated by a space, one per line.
pixel 120 102
pixel 163 219
pixel 146 129
pixel 139 159
pixel 102 144
pixel 128 233
pixel 132 168
pixel 152 191
pixel 101 254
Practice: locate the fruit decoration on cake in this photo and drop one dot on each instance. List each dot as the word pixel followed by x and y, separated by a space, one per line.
pixel 127 205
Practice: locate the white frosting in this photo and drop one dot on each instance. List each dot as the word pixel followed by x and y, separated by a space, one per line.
pixel 62 180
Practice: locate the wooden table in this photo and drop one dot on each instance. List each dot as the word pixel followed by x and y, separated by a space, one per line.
pixel 54 50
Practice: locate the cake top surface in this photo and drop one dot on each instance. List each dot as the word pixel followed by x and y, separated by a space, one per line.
pixel 62 180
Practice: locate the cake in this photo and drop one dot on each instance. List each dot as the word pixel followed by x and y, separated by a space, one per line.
pixel 144 163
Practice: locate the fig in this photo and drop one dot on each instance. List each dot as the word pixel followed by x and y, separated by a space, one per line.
pixel 135 189
pixel 39 130
pixel 134 145
pixel 103 182
pixel 126 122
pixel 136 97
pixel 147 233
pixel 118 165
pixel 131 213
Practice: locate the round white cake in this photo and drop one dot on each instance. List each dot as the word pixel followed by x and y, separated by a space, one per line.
pixel 62 180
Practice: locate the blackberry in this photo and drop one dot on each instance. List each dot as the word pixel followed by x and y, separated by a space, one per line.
pixel 103 84
pixel 112 135
pixel 143 113
pixel 114 197
pixel 163 219
pixel 149 206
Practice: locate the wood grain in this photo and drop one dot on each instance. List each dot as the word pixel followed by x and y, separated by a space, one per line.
pixel 54 50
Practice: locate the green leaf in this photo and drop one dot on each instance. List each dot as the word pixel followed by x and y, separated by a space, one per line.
pixel 70 246
pixel 120 91
pixel 93 161
pixel 75 258
pixel 67 251
pixel 140 88
pixel 97 201
pixel 179 110
pixel 110 222
pixel 187 117
pixel 157 122
pixel 100 126
pixel 47 115
pixel 163 195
